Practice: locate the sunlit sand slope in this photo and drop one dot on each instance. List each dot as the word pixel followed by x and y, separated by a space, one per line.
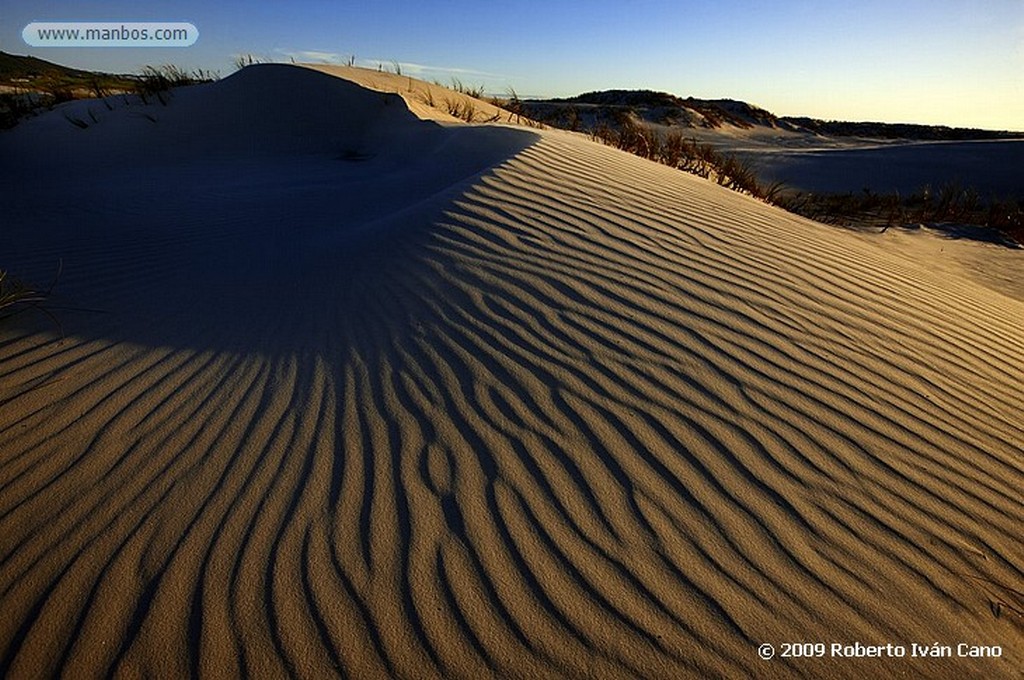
pixel 477 402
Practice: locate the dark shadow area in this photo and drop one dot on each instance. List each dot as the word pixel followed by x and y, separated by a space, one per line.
pixel 199 232
pixel 968 232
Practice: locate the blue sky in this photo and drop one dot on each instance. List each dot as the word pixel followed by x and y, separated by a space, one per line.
pixel 947 62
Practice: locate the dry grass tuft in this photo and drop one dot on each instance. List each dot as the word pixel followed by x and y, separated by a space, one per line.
pixel 17 297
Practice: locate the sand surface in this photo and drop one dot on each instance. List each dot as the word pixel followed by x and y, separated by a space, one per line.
pixel 347 391
pixel 991 168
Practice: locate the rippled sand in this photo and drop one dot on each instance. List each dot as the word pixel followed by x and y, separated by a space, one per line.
pixel 419 400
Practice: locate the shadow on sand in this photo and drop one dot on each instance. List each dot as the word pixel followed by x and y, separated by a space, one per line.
pixel 232 243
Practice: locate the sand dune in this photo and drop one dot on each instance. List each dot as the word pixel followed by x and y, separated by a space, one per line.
pixel 421 400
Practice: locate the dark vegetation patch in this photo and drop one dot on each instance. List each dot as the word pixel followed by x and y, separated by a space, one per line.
pixel 29 85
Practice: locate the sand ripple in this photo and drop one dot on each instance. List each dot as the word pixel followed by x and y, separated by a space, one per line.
pixel 575 416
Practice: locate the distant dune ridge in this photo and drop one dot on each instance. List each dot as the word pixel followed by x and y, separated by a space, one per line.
pixel 380 396
pixel 691 112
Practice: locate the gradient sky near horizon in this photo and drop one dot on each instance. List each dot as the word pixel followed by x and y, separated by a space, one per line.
pixel 951 62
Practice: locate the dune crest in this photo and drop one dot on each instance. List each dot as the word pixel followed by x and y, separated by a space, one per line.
pixel 490 403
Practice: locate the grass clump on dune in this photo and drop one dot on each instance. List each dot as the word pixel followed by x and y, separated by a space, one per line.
pixel 465 109
pixel 688 155
pixel 17 297
pixel 474 92
pixel 246 60
pixel 158 80
pixel 461 108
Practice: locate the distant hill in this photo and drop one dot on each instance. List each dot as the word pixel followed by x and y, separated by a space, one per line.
pixel 15 69
pixel 833 128
pixel 32 73
pixel 607 107
pixel 29 85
